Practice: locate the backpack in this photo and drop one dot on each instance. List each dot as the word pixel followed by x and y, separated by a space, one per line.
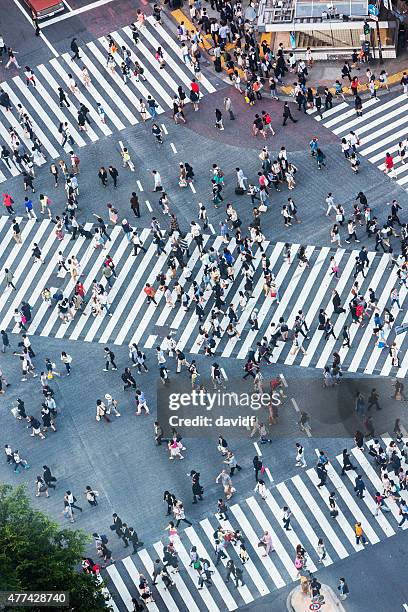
pixel 104 539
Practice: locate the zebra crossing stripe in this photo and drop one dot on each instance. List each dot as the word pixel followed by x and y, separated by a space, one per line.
pixel 327 529
pixel 370 503
pixel 122 277
pixel 243 590
pixel 120 586
pixel 163 591
pixel 122 106
pixel 332 111
pixel 204 593
pixel 342 317
pixel 347 114
pixel 30 275
pixel 118 79
pixel 39 315
pixel 180 584
pixel 72 109
pixel 92 274
pixel 351 504
pixel 68 289
pixel 109 112
pixel 12 120
pixel 265 308
pixel 151 79
pixel 82 99
pixel 171 43
pixel 253 540
pixel 368 469
pixel 216 578
pixel 137 306
pixel 135 576
pixel 284 546
pixel 303 522
pixel 246 313
pixel 341 520
pixel 86 315
pixel 124 300
pixel 320 294
pixel 373 114
pixel 250 568
pixel 54 108
pixel 168 59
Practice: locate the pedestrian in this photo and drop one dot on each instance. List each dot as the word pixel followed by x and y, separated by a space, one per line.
pixel 109 360
pixel 343 589
pixel 287 114
pixel 300 455
pixel 358 530
pixel 321 550
pixel 48 477
pixel 91 495
pixel 75 49
pixel 261 488
pixel 266 542
pixel 286 518
pixel 41 487
pixel 218 119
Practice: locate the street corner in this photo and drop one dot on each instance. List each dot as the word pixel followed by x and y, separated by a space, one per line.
pixel 300 600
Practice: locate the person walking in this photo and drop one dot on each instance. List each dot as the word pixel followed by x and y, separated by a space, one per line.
pixel 75 49
pixel 49 479
pixel 358 530
pixel 109 360
pixel 286 518
pixel 287 114
pixel 343 589
pixel 359 486
pixel 300 456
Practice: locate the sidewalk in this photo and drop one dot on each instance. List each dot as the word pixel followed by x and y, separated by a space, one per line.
pixel 297 602
pixel 323 73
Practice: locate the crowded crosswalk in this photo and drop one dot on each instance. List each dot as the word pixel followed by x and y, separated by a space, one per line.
pixel 119 101
pixel 311 520
pixel 380 129
pixel 306 288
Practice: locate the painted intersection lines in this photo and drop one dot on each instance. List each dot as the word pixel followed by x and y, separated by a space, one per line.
pixel 310 521
pixel 120 101
pixel 308 289
pixel 382 127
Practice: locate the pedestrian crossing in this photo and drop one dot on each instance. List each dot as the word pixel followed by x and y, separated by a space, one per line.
pixel 262 575
pixel 383 125
pixel 132 320
pixel 120 101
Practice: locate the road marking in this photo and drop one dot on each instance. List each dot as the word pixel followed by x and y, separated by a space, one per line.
pixel 67 5
pixel 193 189
pixel 78 11
pixel 294 402
pixel 283 379
pixel 258 450
pixel 149 206
pixel 49 45
pixel 210 225
pixel 173 148
pixel 164 129
pixel 268 473
pixel 224 374
pixel 150 341
pixel 139 184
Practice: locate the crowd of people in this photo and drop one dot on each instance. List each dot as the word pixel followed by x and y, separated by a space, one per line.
pixel 251 68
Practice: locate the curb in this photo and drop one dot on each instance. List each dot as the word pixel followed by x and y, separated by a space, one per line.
pixel 338 606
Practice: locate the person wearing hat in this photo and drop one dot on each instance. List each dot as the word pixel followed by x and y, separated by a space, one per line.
pixel 111 404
